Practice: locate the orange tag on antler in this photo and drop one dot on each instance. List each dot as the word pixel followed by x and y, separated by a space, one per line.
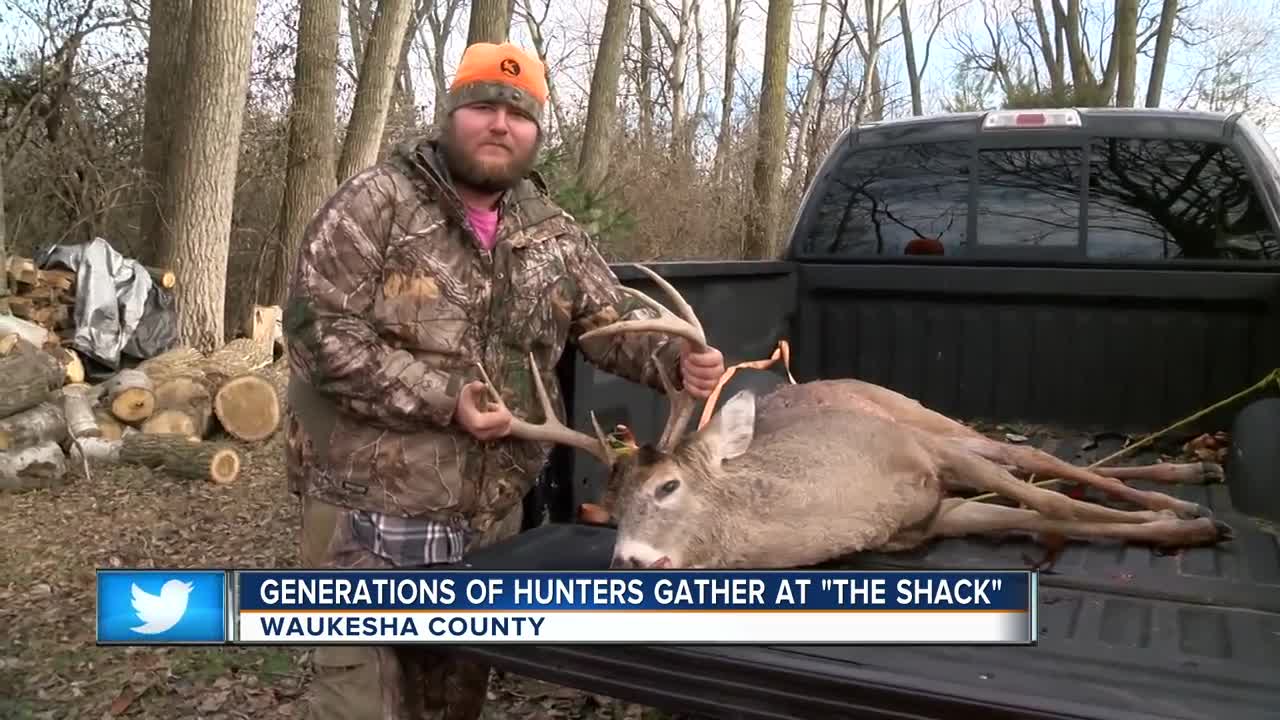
pixel 783 353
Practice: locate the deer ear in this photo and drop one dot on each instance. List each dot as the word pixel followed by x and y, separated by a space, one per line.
pixel 729 433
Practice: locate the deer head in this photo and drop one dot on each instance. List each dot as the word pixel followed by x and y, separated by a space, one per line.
pixel 673 506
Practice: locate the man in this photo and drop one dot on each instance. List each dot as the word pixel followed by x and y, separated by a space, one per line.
pixel 447 254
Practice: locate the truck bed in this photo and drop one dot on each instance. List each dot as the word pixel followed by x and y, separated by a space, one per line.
pixel 1125 632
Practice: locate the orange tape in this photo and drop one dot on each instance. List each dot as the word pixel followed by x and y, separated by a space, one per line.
pixel 783 352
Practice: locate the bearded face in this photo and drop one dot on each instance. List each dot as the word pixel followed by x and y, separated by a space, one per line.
pixel 489 146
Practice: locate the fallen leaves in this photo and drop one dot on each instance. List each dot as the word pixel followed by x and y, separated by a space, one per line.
pixel 1209 447
pixel 51 542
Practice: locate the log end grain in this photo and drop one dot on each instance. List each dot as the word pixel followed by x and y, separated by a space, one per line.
pixel 248 408
pixel 224 466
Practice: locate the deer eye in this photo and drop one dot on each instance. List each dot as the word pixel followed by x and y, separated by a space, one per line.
pixel 668 487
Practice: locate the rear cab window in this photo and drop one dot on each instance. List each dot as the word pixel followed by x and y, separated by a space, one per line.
pixel 1040 194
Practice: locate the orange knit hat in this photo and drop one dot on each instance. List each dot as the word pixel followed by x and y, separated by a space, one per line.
pixel 500 73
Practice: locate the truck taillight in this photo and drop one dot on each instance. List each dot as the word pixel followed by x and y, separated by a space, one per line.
pixel 1031 119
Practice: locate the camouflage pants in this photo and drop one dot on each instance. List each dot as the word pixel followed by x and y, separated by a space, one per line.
pixel 386 682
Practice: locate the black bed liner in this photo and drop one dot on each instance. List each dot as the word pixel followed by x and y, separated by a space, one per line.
pixel 1124 633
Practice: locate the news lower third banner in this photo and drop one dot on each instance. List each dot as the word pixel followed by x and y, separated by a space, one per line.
pixel 312 607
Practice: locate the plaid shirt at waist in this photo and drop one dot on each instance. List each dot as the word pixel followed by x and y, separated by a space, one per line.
pixel 408 542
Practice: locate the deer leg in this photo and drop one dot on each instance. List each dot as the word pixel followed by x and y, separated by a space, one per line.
pixel 965 468
pixel 958 517
pixel 1033 460
pixel 1193 473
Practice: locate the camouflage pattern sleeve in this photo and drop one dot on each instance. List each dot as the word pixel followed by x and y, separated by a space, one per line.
pixel 332 342
pixel 599 302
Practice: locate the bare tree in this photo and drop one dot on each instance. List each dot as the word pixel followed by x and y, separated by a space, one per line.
pixel 1164 38
pixel 202 176
pixel 167 45
pixel 535 24
pixel 593 161
pixel 373 94
pixel 490 21
pixel 1125 42
pixel 772 132
pixel 733 25
pixel 440 27
pixel 4 247
pixel 678 43
pixel 309 175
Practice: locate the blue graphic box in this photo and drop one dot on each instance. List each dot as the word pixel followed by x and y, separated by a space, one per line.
pixel 162 607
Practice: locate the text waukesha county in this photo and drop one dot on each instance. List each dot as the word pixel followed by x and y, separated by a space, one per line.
pixel 402 626
pixel 540 593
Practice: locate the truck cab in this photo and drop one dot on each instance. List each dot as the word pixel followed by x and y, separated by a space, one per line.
pixel 1074 278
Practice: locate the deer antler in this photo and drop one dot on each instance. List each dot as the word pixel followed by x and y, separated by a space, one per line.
pixel 687 326
pixel 551 429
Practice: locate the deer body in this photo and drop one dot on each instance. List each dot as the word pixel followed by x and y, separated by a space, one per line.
pixel 815 471
pixel 806 486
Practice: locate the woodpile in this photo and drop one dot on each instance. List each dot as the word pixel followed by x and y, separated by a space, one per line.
pixel 45 301
pixel 181 412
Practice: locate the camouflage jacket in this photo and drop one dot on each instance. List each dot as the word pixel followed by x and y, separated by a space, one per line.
pixel 392 304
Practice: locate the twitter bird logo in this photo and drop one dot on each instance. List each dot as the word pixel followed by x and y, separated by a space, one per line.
pixel 159 613
pixel 162 607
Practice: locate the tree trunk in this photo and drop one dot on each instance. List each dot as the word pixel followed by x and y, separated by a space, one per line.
pixel 4 248
pixel 593 163
pixel 1125 38
pixel 205 156
pixel 1164 38
pixel 553 94
pixel 646 80
pixel 373 94
pixel 166 53
pixel 908 42
pixel 309 174
pixel 490 21
pixel 772 138
pixel 733 23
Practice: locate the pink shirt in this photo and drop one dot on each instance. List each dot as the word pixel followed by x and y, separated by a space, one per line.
pixel 485 224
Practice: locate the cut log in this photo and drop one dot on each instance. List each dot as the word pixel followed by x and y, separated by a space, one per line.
pixel 96 450
pixel 31 332
pixel 8 343
pixel 248 408
pixel 264 328
pixel 108 424
pixel 181 362
pixel 43 423
pixel 184 457
pixel 28 376
pixel 164 278
pixel 130 395
pixel 78 411
pixel 240 356
pixel 72 366
pixel 38 466
pixel 183 407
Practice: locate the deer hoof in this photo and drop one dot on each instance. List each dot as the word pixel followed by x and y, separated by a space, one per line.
pixel 1224 531
pixel 1193 511
pixel 1211 472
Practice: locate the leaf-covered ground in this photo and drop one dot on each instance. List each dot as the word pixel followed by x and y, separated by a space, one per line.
pixel 51 542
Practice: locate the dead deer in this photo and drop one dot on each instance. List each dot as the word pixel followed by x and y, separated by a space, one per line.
pixel 815 471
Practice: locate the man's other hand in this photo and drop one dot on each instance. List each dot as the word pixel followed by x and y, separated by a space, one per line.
pixel 700 370
pixel 478 415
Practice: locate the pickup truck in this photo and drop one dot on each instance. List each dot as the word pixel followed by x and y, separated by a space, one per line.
pixel 1079 277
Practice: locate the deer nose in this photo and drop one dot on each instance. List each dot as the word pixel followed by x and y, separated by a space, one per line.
pixel 624 561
